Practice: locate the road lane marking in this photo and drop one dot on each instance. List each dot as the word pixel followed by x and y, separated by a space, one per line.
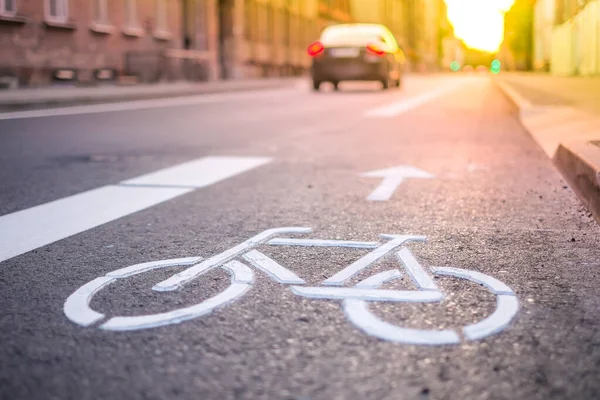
pixel 357 312
pixel 242 278
pixel 323 243
pixel 355 300
pixel 492 284
pixel 198 173
pixel 344 275
pixel 341 293
pixel 507 307
pixel 272 268
pixel 178 280
pixel 402 106
pixel 141 104
pixel 419 276
pixel 392 178
pixel 26 230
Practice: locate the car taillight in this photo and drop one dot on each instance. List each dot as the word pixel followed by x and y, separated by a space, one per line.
pixel 315 49
pixel 373 48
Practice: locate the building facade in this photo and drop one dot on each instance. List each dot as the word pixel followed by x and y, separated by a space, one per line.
pixel 86 41
pixel 575 42
pixel 81 38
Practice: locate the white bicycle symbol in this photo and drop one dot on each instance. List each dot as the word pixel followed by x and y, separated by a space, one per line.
pixel 355 299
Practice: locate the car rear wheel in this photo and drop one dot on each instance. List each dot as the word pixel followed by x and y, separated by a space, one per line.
pixel 316 86
pixel 385 84
pixel 336 85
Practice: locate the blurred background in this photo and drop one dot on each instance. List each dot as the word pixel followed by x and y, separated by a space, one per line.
pixel 44 42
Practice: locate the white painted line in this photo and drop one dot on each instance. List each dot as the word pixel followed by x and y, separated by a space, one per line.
pixel 77 307
pixel 341 293
pixel 241 278
pixel 392 178
pixel 492 284
pixel 357 312
pixel 178 280
pixel 143 267
pixel 341 277
pixel 322 243
pixel 141 104
pixel 419 276
pixel 359 315
pixel 373 282
pixel 240 273
pixel 399 107
pixel 272 268
pixel 26 230
pixel 199 173
pixel 506 309
pixel 29 229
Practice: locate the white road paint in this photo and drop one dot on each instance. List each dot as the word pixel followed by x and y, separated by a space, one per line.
pixel 357 312
pixel 322 243
pixel 405 105
pixel 26 230
pixel 77 307
pixel 419 276
pixel 374 281
pixel 344 275
pixel 241 281
pixel 337 293
pixel 354 299
pixel 189 274
pixel 148 266
pixel 199 173
pixel 492 284
pixel 507 307
pixel 29 229
pixel 143 104
pixel 272 268
pixel 392 178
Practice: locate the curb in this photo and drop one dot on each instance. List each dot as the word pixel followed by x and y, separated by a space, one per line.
pixel 579 163
pixel 74 98
pixel 554 128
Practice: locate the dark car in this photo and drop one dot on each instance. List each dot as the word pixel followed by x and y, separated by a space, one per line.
pixel 356 52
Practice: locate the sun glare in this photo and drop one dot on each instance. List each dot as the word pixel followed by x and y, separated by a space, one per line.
pixel 479 23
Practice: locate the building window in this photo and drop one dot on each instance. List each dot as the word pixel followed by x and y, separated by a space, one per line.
pixel 101 11
pixel 8 8
pixel 57 10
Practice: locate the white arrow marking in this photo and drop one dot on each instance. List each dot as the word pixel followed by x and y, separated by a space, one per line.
pixel 392 178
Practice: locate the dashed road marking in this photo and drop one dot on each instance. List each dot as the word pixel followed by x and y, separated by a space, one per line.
pixel 26 230
pixel 402 106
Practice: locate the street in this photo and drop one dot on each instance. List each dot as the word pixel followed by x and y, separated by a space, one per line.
pixel 93 189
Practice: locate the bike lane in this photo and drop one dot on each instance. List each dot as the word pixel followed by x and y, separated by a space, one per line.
pixel 494 204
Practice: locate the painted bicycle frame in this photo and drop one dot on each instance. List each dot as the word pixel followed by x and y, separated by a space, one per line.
pixel 354 299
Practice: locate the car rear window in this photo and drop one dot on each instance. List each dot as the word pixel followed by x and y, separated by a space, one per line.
pixel 349 37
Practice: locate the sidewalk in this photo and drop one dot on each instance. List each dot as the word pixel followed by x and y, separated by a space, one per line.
pixel 62 96
pixel 563 116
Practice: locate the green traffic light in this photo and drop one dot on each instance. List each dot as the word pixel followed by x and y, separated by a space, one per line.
pixel 454 66
pixel 496 64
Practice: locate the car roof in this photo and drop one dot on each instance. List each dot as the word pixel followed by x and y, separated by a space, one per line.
pixel 374 28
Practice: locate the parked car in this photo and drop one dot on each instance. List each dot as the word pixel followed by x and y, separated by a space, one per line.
pixel 356 52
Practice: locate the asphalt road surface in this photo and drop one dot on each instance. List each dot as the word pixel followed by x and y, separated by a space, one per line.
pixel 91 190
